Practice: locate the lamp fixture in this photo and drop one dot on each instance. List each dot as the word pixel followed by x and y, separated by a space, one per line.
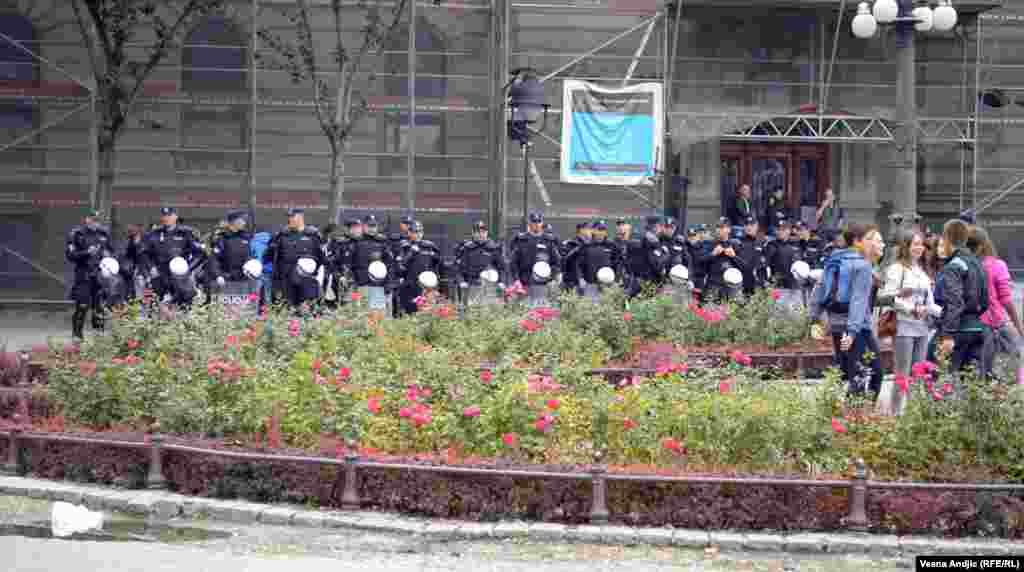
pixel 942 18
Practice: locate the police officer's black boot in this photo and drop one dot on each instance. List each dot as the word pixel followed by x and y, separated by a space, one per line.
pixel 78 321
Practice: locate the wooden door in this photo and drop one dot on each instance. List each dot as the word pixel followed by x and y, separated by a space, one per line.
pixel 799 171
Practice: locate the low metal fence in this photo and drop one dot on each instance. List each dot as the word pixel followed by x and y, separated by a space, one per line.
pixel 352 464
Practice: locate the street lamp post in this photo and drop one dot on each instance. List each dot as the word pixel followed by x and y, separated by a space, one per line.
pixel 906 18
pixel 528 107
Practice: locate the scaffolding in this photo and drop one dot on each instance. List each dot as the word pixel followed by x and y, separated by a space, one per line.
pixel 445 156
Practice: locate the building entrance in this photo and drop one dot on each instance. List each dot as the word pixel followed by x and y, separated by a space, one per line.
pixel 795 175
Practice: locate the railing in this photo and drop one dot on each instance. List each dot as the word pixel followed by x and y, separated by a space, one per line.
pixel 858 487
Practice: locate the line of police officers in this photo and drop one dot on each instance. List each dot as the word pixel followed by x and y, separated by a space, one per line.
pixel 392 272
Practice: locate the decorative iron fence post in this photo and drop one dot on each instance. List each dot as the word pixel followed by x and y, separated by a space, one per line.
pixel 350 496
pixel 11 466
pixel 599 507
pixel 156 479
pixel 858 517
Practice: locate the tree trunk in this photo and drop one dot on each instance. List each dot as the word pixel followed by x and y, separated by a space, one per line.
pixel 106 172
pixel 337 183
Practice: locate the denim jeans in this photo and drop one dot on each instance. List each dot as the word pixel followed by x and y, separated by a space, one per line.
pixel 857 371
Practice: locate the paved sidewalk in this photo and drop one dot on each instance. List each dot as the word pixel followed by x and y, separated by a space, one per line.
pixel 166 505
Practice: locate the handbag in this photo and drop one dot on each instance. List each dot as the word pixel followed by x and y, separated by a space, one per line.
pixel 887 322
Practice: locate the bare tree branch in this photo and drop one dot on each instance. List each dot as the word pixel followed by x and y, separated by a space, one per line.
pixel 94 61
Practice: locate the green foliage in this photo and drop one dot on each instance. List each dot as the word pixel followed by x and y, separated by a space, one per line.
pixel 413 386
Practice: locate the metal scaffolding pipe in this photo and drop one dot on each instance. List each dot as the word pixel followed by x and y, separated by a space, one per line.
pixel 48 125
pixel 601 46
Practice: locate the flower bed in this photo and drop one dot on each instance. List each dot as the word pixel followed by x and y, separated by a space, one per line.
pixel 413 387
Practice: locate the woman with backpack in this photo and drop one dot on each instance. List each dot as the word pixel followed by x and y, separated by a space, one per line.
pixel 1000 305
pixel 961 333
pixel 845 293
pixel 909 287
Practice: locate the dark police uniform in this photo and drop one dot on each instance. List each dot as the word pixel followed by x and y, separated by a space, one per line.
pixel 752 257
pixel 646 259
pixel 162 245
pixel 696 249
pixel 717 289
pixel 474 256
pixel 527 249
pixel 417 256
pixel 569 251
pixel 85 246
pixel 284 251
pixel 594 255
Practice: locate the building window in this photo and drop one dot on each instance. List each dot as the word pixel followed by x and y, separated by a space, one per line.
pixel 431 89
pixel 215 63
pixel 18 75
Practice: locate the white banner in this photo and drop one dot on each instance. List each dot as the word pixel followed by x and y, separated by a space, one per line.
pixel 611 136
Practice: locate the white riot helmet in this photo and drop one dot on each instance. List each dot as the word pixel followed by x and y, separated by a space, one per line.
pixel 377 270
pixel 816 275
pixel 679 274
pixel 306 267
pixel 733 277
pixel 605 275
pixel 252 269
pixel 109 267
pixel 178 266
pixel 490 275
pixel 427 279
pixel 800 270
pixel 542 271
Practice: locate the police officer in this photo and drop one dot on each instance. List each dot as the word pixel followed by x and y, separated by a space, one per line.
pixel 598 262
pixel 751 254
pixel 339 258
pixel 812 248
pixel 86 245
pixel 696 247
pixel 569 250
pixel 371 265
pixel 527 251
pixel 297 253
pixel 623 232
pixel 678 253
pixel 166 243
pixel 396 240
pixel 720 258
pixel 646 258
pixel 129 261
pixel 231 251
pixel 474 256
pixel 782 253
pixel 418 257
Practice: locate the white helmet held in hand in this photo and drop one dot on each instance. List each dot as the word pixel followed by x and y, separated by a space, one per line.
pixel 800 270
pixel 490 275
pixel 253 269
pixel 542 271
pixel 109 267
pixel 306 267
pixel 178 266
pixel 427 279
pixel 605 275
pixel 378 270
pixel 816 274
pixel 679 274
pixel 733 277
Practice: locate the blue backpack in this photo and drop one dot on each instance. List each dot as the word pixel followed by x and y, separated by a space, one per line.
pixel 257 246
pixel 835 282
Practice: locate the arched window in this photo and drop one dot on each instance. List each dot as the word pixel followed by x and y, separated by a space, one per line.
pixel 215 62
pixel 431 89
pixel 18 73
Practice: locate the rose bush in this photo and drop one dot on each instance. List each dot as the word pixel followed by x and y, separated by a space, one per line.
pixel 414 387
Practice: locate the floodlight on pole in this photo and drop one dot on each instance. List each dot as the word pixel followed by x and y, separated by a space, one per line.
pixel 527 107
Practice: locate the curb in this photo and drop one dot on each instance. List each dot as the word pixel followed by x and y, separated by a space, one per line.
pixel 168 505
